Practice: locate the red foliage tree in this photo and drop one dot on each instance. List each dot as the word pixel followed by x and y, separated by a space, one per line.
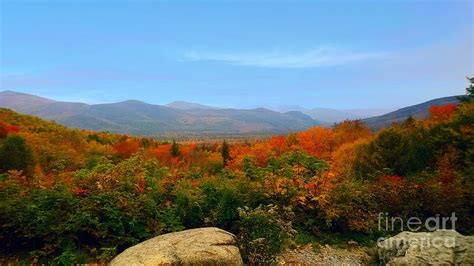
pixel 442 112
pixel 127 147
pixel 7 129
pixel 13 129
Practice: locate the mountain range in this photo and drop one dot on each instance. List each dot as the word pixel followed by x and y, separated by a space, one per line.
pixel 329 116
pixel 140 118
pixel 136 117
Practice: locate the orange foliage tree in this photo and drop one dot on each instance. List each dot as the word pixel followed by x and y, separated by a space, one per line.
pixel 350 131
pixel 317 141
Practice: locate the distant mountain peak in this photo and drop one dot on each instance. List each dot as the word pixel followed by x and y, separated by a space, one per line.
pixel 183 105
pixel 8 92
pixel 22 101
pixel 133 102
pixel 15 93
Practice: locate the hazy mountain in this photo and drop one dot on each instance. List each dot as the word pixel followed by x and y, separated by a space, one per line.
pixel 418 111
pixel 368 112
pixel 22 101
pixel 288 108
pixel 188 106
pixel 330 116
pixel 137 117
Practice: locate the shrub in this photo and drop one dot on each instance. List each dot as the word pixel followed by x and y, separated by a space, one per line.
pixel 188 205
pixel 35 219
pixel 220 203
pixel 16 155
pixel 250 169
pixel 263 233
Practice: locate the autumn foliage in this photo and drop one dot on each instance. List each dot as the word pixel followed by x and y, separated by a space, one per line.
pixel 442 112
pixel 127 147
pixel 84 196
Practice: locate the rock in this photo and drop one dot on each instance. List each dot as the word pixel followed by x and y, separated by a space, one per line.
pixel 443 247
pixel 202 246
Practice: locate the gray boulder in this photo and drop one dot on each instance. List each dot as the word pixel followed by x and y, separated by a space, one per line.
pixel 443 247
pixel 202 246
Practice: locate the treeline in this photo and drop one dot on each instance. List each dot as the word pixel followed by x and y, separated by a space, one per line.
pixel 72 196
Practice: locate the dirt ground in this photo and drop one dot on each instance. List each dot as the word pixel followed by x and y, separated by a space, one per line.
pixel 326 255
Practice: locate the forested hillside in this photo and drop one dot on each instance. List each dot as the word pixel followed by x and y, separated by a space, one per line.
pixel 74 196
pixel 418 111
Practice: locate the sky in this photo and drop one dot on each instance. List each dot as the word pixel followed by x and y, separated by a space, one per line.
pixel 335 54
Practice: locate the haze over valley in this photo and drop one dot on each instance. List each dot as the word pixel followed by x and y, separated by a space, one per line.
pixel 181 118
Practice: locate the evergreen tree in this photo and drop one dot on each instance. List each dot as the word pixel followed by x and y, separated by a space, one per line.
pixel 16 155
pixel 175 149
pixel 469 92
pixel 225 152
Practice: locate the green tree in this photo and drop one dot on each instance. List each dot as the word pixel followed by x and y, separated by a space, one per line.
pixel 16 155
pixel 175 149
pixel 469 91
pixel 225 152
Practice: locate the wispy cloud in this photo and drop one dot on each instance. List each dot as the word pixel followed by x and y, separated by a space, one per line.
pixel 319 57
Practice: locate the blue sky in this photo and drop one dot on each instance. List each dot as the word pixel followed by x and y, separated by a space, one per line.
pixel 339 54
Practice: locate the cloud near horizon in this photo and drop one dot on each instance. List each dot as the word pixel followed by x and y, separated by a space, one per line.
pixel 318 57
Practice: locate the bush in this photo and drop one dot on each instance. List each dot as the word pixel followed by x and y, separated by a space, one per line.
pixel 16 155
pixel 188 206
pixel 36 219
pixel 62 226
pixel 263 233
pixel 221 199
